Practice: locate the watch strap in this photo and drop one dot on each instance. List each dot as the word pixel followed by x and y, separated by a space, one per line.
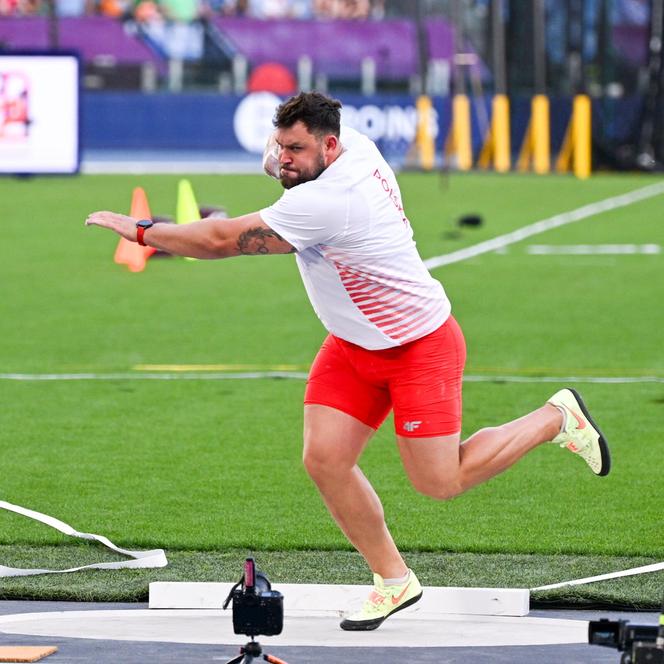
pixel 141 227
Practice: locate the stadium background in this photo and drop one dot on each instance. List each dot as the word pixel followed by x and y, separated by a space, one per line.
pixel 171 74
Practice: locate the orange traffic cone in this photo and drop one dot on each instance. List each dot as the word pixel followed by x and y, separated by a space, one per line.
pixel 129 253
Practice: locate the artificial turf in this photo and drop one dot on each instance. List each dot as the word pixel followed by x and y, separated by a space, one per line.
pixel 211 470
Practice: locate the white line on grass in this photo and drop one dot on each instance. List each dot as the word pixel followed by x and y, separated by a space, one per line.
pixel 153 376
pixel 562 379
pixel 300 375
pixel 593 249
pixel 584 212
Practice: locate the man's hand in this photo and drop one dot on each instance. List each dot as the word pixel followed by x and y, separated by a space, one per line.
pixel 120 223
pixel 213 237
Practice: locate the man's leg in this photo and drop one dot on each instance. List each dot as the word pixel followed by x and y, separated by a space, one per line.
pixel 441 468
pixel 333 443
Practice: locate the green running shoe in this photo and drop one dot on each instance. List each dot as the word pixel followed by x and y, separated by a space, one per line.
pixel 581 435
pixel 383 602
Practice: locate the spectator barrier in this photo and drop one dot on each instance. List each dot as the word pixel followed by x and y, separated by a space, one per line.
pixel 240 124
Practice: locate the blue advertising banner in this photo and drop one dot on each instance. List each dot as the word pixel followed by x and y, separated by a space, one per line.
pixel 240 125
pixel 220 122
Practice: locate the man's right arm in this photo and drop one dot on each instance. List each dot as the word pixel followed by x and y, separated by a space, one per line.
pixel 208 238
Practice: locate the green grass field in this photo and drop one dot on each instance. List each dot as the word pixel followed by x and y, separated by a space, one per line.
pixel 210 469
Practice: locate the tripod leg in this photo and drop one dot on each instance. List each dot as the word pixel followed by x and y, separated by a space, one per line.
pixel 236 660
pixel 273 660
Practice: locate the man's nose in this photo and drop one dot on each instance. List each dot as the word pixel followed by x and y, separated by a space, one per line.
pixel 284 156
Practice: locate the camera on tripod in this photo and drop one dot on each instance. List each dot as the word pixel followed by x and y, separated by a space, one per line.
pixel 257 609
pixel 640 644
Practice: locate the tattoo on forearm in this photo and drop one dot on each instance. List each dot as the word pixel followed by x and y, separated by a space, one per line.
pixel 254 241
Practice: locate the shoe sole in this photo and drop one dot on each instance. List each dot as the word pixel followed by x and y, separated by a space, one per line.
pixel 605 455
pixel 368 625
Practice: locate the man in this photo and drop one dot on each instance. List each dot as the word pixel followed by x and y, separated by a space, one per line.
pixel 392 343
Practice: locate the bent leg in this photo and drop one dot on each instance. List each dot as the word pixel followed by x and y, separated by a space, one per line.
pixel 333 443
pixel 441 468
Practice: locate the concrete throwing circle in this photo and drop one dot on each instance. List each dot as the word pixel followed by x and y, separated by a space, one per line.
pixel 215 627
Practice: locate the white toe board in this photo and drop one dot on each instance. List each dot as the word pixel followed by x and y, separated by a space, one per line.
pixel 308 599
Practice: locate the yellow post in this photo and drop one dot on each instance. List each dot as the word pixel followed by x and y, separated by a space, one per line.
pixel 500 129
pixel 566 153
pixel 526 151
pixel 541 134
pixel 576 149
pixel 486 153
pixel 536 147
pixel 424 137
pixel 462 144
pixel 582 138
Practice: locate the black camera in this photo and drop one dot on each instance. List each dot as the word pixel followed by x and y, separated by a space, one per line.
pixel 640 644
pixel 257 609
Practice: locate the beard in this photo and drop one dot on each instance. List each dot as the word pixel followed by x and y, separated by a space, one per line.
pixel 296 177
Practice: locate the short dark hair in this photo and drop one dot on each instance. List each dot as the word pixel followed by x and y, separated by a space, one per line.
pixel 320 114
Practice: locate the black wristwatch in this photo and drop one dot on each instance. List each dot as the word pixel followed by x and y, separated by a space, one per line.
pixel 141 227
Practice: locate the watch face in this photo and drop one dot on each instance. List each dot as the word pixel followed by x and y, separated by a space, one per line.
pixel 144 223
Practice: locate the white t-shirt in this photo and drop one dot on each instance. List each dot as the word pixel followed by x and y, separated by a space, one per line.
pixel 356 253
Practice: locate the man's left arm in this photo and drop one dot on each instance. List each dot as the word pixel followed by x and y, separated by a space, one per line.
pixel 209 238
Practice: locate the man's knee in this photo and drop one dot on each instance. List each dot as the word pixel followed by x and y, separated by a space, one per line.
pixel 322 459
pixel 333 442
pixel 313 460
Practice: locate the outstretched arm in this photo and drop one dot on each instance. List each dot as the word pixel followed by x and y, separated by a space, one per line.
pixel 208 238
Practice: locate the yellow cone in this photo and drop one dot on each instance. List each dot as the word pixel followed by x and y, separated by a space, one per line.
pixel 187 207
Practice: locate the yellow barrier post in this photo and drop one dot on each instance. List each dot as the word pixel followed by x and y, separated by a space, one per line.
pixel 541 134
pixel 581 118
pixel 535 149
pixel 496 148
pixel 575 153
pixel 458 144
pixel 424 139
pixel 500 128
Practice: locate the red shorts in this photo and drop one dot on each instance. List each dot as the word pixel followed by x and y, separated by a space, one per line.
pixel 420 380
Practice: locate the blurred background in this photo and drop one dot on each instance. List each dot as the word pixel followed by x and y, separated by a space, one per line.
pixel 199 79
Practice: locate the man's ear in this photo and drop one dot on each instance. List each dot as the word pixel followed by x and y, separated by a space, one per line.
pixel 331 142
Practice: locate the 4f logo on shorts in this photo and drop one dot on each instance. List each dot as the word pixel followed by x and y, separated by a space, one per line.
pixel 412 426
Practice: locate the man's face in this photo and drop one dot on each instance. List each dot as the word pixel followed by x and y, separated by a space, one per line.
pixel 303 156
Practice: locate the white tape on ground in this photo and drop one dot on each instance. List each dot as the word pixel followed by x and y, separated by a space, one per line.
pixel 141 559
pixel 547 224
pixel 646 569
